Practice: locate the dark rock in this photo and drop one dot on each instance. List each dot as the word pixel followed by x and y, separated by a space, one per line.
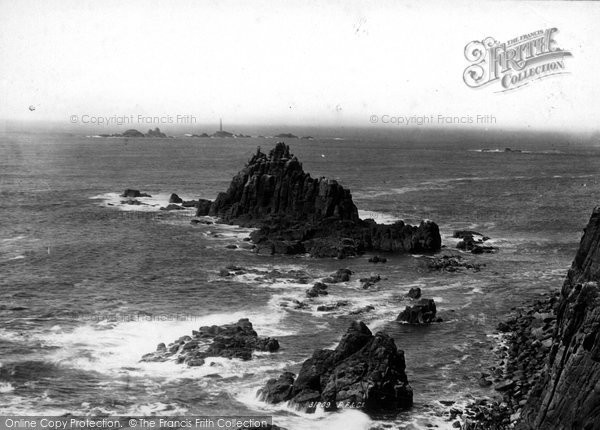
pixel 295 213
pixel 132 202
pixel 484 382
pixel 414 293
pixel 131 133
pixel 332 306
pixel 377 259
pixel 175 199
pixel 462 234
pixel 319 289
pixel 277 390
pixel 155 133
pixel 342 275
pixel 473 242
pixel 203 206
pixel 237 340
pixel 370 281
pixel 505 385
pixel 365 371
pixel 231 246
pixel 134 193
pixel 452 263
pixel 422 312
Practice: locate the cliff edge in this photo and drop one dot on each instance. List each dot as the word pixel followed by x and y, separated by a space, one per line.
pixel 568 396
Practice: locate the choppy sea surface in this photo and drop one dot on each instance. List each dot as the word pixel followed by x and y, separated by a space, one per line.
pixel 88 285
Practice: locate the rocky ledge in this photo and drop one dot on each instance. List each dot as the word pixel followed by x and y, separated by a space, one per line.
pixel 236 340
pixel 364 371
pixel 296 214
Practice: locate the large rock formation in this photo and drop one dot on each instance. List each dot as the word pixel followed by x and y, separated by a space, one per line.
pixel 364 371
pixel 568 397
pixel 296 213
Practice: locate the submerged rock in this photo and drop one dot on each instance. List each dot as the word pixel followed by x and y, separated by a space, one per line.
pixel 370 281
pixel 341 275
pixel 295 213
pixel 237 340
pixel 364 371
pixel 473 242
pixel 319 289
pixel 452 263
pixel 172 207
pixel 377 259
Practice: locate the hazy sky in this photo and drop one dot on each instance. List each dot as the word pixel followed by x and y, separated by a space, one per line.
pixel 320 63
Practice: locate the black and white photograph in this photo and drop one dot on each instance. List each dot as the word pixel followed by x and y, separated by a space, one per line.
pixel 299 215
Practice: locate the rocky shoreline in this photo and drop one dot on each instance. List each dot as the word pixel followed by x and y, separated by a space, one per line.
pixel 524 343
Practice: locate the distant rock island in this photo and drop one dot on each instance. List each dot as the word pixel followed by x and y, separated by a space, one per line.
pixel 135 133
pixel 286 136
pixel 220 133
pixel 297 214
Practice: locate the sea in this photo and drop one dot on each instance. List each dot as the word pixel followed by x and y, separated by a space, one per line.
pixel 88 285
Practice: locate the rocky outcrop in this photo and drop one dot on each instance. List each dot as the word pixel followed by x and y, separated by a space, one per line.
pixel 370 281
pixel 319 289
pixel 295 213
pixel 155 133
pixel 473 242
pixel 364 371
pixel 452 263
pixel 237 340
pixel 340 275
pixel 422 312
pixel 134 193
pixel 174 198
pixel 568 396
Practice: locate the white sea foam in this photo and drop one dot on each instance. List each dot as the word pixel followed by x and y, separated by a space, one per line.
pixel 6 387
pixel 148 204
pixel 379 217
pixel 288 416
pixel 113 348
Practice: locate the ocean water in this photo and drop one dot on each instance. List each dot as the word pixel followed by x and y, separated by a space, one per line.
pixel 87 285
